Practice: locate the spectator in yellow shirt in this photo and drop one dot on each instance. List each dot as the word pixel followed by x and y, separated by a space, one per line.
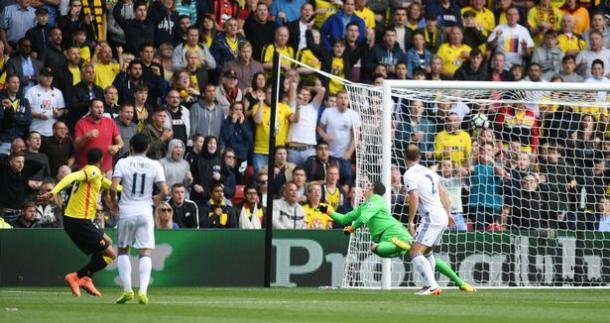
pixel 314 218
pixel 281 45
pixel 454 52
pixel 105 68
pixel 453 143
pixel 542 18
pixel 485 18
pixel 569 41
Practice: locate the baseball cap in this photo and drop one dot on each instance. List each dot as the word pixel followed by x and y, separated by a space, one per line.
pixel 230 74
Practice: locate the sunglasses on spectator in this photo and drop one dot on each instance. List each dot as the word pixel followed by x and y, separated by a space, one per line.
pixel 166 210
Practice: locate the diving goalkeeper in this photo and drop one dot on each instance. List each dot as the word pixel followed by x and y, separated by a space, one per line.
pixel 390 237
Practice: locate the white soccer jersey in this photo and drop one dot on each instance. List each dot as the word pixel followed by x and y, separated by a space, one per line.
pixel 426 182
pixel 138 175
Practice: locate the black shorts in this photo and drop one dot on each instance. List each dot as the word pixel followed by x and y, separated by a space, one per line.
pixel 85 234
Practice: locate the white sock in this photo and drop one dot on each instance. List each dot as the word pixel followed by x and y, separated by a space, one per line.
pixel 432 261
pixel 145 269
pixel 423 268
pixel 124 265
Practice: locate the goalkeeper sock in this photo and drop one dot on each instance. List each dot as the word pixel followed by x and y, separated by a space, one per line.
pixel 443 268
pixel 145 269
pixel 96 264
pixel 388 250
pixel 124 265
pixel 423 268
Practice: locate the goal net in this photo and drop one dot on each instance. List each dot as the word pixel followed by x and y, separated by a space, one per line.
pixel 527 166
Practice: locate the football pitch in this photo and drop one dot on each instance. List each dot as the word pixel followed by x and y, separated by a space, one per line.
pixel 307 305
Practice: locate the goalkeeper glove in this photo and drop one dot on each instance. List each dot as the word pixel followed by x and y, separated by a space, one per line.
pixel 348 230
pixel 323 208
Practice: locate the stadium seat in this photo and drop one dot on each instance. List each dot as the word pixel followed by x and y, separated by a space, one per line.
pixel 239 196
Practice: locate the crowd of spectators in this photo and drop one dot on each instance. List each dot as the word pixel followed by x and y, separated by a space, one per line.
pixel 194 76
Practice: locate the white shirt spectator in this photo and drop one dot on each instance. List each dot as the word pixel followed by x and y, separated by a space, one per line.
pixel 510 41
pixel 44 101
pixel 304 131
pixel 588 57
pixel 339 125
pixel 601 95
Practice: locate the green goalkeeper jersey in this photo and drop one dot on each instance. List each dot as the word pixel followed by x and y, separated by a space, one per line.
pixel 373 212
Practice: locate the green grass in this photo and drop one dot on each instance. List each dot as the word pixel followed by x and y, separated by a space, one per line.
pixel 306 305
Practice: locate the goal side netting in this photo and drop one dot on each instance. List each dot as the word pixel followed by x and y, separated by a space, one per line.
pixel 527 167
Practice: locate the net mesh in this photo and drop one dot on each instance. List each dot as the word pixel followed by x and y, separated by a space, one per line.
pixel 527 172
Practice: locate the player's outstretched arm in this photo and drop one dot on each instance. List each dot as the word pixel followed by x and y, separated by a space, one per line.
pixel 344 219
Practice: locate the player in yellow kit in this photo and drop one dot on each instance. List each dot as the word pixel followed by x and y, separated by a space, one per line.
pixel 78 221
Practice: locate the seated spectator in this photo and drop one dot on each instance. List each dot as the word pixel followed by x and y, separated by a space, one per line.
pixel 236 133
pixel 518 123
pixel 287 213
pixel 244 66
pixel 158 134
pixel 453 143
pixel 453 52
pixel 603 215
pixel 485 188
pixel 568 70
pixel 585 58
pixel 227 173
pixel 334 26
pixel 548 55
pixel 599 24
pixel 316 166
pixel 206 170
pixel 299 178
pixel 259 30
pixel 453 183
pixel 517 72
pixel 314 218
pixel 280 45
pixel 541 18
pixel 597 76
pixel 497 71
pixel 511 39
pixel 447 13
pixel 179 59
pixel 484 18
pixel 387 52
pixel 47 103
pixel 15 170
pixel 283 169
pixel 16 121
pixel 206 115
pixel 436 68
pixel 186 82
pixel 570 42
pixel 33 142
pixel 332 193
pixel 473 69
pixel 433 33
pixel 262 186
pixel 48 213
pixel 473 35
pixel 164 216
pixel 59 148
pixel 185 212
pixel 177 117
pixel 217 212
pixel 252 212
pixel 176 169
pixel 228 92
pixel 418 56
pixel 27 219
pixel 225 45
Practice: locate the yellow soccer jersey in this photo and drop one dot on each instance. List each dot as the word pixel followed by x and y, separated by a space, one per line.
pixel 338 69
pixel 267 55
pixel 537 15
pixel 452 57
pixel 567 43
pixel 321 18
pixel 105 74
pixel 459 145
pixel 485 18
pixel 333 199
pixel 368 16
pixel 316 219
pixel 261 131
pixel 87 184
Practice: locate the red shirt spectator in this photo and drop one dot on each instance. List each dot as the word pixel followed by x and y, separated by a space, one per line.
pixel 96 131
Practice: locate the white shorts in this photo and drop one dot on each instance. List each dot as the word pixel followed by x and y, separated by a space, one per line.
pixel 430 234
pixel 140 228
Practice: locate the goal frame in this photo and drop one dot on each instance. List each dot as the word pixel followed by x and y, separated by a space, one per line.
pixel 387 108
